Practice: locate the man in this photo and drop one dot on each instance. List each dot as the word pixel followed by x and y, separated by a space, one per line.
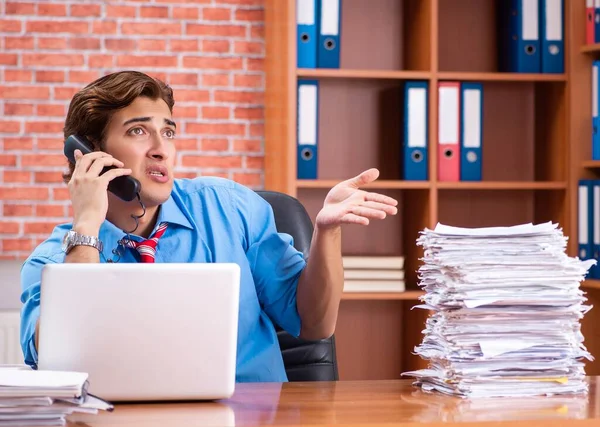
pixel 127 116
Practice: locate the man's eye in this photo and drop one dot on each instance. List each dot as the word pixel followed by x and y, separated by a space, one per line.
pixel 136 131
pixel 170 133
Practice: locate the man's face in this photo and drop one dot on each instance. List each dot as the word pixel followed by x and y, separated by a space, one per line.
pixel 142 136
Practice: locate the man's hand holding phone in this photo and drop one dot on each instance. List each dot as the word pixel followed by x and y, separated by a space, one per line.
pixel 88 189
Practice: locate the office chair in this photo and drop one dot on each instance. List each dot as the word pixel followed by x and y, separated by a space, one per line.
pixel 303 360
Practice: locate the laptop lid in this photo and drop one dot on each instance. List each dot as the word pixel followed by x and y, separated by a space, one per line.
pixel 142 331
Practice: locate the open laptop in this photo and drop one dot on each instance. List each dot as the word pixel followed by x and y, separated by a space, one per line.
pixel 143 332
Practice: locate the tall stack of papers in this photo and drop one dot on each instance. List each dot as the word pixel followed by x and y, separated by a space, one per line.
pixel 43 398
pixel 371 273
pixel 506 307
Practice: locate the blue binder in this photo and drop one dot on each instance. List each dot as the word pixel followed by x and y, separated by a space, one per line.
pixel 471 131
pixel 328 52
pixel 595 108
pixel 585 220
pixel 306 33
pixel 308 129
pixel 415 135
pixel 520 36
pixel 552 36
pixel 596 21
pixel 594 271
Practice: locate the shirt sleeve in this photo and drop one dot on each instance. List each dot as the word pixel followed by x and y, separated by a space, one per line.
pixel 276 265
pixel 31 276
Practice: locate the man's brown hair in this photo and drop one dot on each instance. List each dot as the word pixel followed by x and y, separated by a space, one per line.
pixel 92 107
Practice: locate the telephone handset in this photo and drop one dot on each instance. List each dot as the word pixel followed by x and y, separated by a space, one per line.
pixel 124 187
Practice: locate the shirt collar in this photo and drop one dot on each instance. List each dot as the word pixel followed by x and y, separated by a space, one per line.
pixel 171 213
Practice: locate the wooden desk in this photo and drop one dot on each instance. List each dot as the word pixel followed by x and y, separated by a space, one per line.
pixel 352 403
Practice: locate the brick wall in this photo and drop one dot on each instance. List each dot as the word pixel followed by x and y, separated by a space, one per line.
pixel 210 51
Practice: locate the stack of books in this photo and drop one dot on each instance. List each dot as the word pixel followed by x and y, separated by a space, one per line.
pixel 44 398
pixel 506 307
pixel 373 273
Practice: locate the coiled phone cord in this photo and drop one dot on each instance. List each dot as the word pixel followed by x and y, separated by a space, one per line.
pixel 136 218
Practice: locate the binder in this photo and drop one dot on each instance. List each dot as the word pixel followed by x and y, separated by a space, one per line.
pixel 552 36
pixel 595 118
pixel 415 164
pixel 585 220
pixel 328 52
pixel 448 131
pixel 596 21
pixel 471 125
pixel 590 14
pixel 520 44
pixel 308 128
pixel 594 271
pixel 306 37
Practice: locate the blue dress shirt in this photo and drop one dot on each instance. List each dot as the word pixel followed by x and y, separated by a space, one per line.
pixel 210 220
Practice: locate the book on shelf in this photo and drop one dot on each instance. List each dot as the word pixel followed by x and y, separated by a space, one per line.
pixel 373 273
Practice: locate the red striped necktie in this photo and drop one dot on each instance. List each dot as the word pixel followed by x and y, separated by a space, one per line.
pixel 147 248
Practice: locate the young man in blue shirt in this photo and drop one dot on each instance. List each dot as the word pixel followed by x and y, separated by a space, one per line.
pixel 128 118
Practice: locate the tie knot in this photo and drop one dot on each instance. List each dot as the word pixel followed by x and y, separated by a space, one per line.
pixel 147 248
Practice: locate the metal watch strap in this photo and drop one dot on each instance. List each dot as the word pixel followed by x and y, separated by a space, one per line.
pixel 82 239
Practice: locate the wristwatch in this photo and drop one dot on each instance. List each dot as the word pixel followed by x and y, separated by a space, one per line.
pixel 73 238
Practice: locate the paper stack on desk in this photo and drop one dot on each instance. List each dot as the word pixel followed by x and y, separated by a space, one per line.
pixel 506 308
pixel 43 398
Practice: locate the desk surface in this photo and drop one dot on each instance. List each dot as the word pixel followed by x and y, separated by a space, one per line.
pixel 353 403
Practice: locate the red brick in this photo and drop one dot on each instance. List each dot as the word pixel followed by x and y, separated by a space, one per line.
pixel 216 30
pixel 10 26
pixel 40 227
pixel 18 245
pixel 248 80
pixel 54 26
pixel 8 160
pixel 257 129
pixel 51 110
pixel 52 59
pixel 146 61
pixel 54 43
pixel 254 162
pixel 251 48
pixel 183 79
pixel 120 45
pixel 18 76
pixel 160 45
pixel 257 32
pixel 84 43
pixel 48 177
pixel 9 126
pixel 219 46
pixel 18 109
pixel 65 92
pixel 50 210
pixel 185 112
pixel 44 127
pixel 186 144
pixel 24 92
pixel 216 14
pixel 24 42
pixel 50 144
pixel 248 179
pixel 17 176
pixel 256 113
pixel 184 45
pixel 154 12
pixel 9 227
pixel 182 1
pixel 187 95
pixel 191 13
pixel 215 144
pixel 83 76
pixel 242 97
pixel 215 113
pixel 47 9
pixel 255 64
pixel 243 2
pixel 247 145
pixel 8 59
pixel 114 11
pixel 216 129
pixel 219 162
pixel 257 15
pixel 104 27
pixel 18 8
pixel 86 10
pixel 101 61
pixel 18 210
pixel 215 80
pixel 49 76
pixel 61 193
pixel 43 160
pixel 24 193
pixel 211 63
pixel 18 143
pixel 151 28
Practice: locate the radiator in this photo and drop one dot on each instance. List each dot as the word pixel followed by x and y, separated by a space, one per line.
pixel 10 347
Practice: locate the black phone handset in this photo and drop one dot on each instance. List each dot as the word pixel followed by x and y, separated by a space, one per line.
pixel 124 187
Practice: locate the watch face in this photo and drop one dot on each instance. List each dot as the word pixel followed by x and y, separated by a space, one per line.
pixel 66 241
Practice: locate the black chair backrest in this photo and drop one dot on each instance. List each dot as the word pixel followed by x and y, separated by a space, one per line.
pixel 303 360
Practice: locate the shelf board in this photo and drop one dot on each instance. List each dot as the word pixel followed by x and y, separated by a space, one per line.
pixel 406 295
pixel 591 284
pixel 382 184
pixel 591 164
pixel 501 77
pixel 590 48
pixel 502 185
pixel 362 74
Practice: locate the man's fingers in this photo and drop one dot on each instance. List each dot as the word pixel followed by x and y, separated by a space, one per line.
pixel 368 212
pixel 351 218
pixel 113 173
pixel 102 162
pixel 390 210
pixel 83 164
pixel 364 178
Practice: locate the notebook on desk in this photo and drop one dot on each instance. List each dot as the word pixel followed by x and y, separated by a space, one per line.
pixel 143 332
